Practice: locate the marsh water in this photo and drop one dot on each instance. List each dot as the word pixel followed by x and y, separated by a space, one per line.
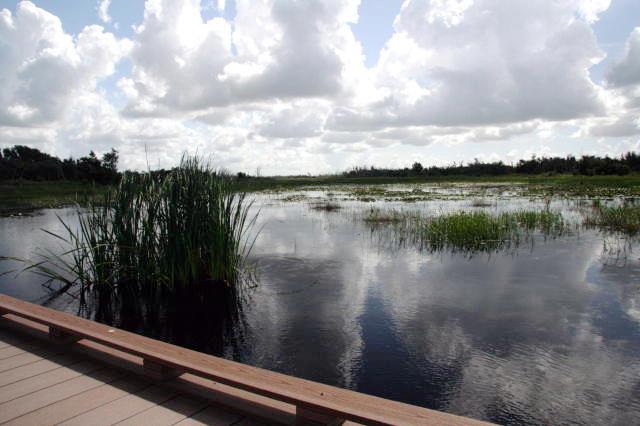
pixel 547 332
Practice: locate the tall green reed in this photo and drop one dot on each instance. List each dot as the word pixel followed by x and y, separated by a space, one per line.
pixel 155 238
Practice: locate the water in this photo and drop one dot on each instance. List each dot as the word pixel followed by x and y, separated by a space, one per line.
pixel 548 332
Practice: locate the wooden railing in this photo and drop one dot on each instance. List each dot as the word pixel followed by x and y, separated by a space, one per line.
pixel 315 402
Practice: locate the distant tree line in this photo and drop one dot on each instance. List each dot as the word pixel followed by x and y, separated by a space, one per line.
pixel 587 165
pixel 23 162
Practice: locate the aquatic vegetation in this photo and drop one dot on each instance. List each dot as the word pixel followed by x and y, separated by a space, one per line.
pixel 26 196
pixel 481 202
pixel 292 198
pixel 484 231
pixel 153 238
pixel 380 216
pixel 623 218
pixel 326 206
pixel 468 231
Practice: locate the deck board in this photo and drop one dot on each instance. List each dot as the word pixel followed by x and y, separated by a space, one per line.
pixel 19 361
pixel 44 385
pixel 46 380
pixel 168 413
pixel 123 408
pixel 211 415
pixel 10 351
pixel 102 378
pixel 36 368
pixel 82 403
pixel 33 401
pixel 71 389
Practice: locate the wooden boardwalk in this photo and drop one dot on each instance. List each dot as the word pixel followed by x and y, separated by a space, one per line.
pixel 56 368
pixel 44 385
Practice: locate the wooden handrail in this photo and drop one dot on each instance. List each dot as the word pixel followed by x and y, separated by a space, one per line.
pixel 313 400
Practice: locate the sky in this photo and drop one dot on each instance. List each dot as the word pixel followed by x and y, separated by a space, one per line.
pixel 320 86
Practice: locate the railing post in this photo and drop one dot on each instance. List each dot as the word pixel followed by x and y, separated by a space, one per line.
pixel 159 371
pixel 60 336
pixel 306 417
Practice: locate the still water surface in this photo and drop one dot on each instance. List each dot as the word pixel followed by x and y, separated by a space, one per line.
pixel 547 333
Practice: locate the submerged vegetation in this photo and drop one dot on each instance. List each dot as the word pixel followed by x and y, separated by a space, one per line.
pixel 154 242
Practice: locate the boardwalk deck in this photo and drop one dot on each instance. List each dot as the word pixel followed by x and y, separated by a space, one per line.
pixel 40 386
pixel 56 368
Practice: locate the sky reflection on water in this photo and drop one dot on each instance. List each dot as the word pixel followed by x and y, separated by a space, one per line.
pixel 547 333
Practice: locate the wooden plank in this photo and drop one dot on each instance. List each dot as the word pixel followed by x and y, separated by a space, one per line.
pixel 10 351
pixel 38 367
pixel 33 401
pixel 211 415
pixel 47 379
pixel 237 400
pixel 169 413
pixel 22 359
pixel 123 408
pixel 21 344
pixel 316 397
pixel 81 403
pixel 159 371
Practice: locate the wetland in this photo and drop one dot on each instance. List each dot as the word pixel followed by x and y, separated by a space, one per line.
pixel 509 302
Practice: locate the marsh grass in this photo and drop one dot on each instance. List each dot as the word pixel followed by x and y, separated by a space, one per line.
pixel 24 197
pixel 326 206
pixel 623 218
pixel 481 231
pixel 156 242
pixel 468 232
pixel 482 202
pixel 378 216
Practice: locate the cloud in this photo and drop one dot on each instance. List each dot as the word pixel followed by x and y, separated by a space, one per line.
pixel 290 76
pixel 103 11
pixel 300 120
pixel 274 49
pixel 624 126
pixel 627 71
pixel 486 62
pixel 44 68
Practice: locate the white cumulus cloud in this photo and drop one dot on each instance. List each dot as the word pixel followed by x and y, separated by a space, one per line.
pixel 44 68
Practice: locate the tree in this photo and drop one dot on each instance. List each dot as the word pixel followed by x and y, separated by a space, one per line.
pixel 416 168
pixel 110 160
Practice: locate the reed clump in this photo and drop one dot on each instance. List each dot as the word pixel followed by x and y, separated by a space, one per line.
pixel 469 232
pixel 158 239
pixel 482 231
pixel 623 218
